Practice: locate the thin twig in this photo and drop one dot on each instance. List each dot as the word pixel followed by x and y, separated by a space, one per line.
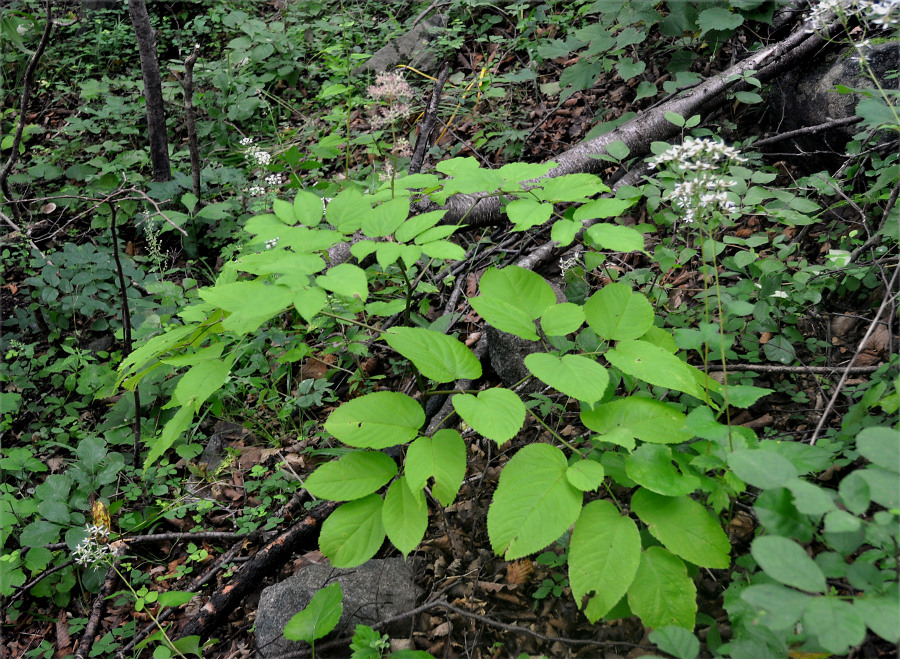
pixel 889 297
pixel 808 130
pixel 43 575
pixel 16 229
pixel 773 368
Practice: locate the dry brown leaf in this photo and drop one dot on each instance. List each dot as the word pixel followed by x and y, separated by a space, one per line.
pixel 517 572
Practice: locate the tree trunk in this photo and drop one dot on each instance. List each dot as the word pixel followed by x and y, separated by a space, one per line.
pixel 153 99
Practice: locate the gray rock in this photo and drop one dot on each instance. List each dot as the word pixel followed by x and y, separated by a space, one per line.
pixel 375 591
pixel 412 49
pixel 807 97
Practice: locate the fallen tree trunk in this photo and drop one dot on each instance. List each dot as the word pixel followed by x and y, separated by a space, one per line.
pixel 651 126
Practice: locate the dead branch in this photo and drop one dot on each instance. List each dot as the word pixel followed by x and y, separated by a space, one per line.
pixel 427 125
pixel 641 131
pixel 266 560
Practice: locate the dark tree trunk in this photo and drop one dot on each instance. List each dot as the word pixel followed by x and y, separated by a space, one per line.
pixel 156 114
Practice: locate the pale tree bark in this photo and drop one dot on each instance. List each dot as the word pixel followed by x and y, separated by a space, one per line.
pixel 153 99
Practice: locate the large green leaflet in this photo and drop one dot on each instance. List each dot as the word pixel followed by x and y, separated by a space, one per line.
pixel 320 616
pixel 351 477
pixel 646 419
pixel 438 357
pixel 617 313
pixel 405 516
pixel 662 593
pixel 685 527
pixel 497 414
pixel 786 561
pixel 574 375
pixel 604 555
pixel 534 503
pixel 442 457
pixel 353 533
pixel 377 420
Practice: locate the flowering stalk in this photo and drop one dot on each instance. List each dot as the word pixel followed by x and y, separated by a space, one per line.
pixel 703 196
pixel 95 549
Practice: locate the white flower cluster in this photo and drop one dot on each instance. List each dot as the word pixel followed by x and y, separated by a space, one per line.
pixel 885 13
pixel 566 264
pixel 254 154
pixel 697 155
pixel 91 550
pixel 271 243
pixel 703 191
pixel 395 94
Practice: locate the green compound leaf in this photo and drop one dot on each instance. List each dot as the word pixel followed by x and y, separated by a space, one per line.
pixel 662 593
pixel 346 280
pixel 677 641
pixel 882 615
pixel 616 313
pixel 651 465
pixel 442 457
pixel 353 533
pixel 777 607
pixel 879 445
pixel 268 301
pixel 521 288
pixel 744 396
pixel 438 357
pixel 505 316
pixel 534 503
pixel 655 365
pixel 613 237
pixel 170 432
pixel 308 208
pixel 347 210
pixel 762 469
pixel 497 414
pixel 604 555
pixel 647 419
pixel 685 528
pixel 786 562
pixel 528 213
pixel 836 624
pixel 586 475
pixel 562 319
pixel 353 476
pixel 175 598
pixel 405 516
pixel 320 616
pixel 376 420
pixel 417 224
pixel 386 218
pixel 574 375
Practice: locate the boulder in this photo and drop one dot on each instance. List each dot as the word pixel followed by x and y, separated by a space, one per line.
pixel 374 591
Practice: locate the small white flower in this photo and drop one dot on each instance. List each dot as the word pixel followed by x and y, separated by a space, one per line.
pixel 91 550
pixel 256 191
pixel 780 294
pixel 246 141
pixel 271 243
pixel 273 179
